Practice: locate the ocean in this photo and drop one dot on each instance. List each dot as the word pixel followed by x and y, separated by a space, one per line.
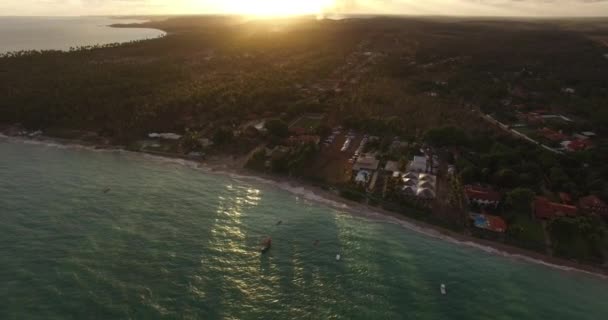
pixel 116 235
pixel 61 33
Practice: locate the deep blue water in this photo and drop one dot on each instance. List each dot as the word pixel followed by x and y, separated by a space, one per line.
pixel 169 241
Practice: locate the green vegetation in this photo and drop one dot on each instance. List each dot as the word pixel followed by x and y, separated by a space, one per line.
pixel 526 232
pixel 580 238
pixel 520 201
pixel 277 128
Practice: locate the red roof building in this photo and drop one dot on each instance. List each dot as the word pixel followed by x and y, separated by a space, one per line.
pixel 545 209
pixel 482 196
pixel 552 135
pixel 579 145
pixel 565 197
pixel 593 205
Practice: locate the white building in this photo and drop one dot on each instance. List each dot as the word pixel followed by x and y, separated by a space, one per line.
pixel 419 164
pixel 366 162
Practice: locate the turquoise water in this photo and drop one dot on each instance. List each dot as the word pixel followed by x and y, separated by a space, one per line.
pixel 61 33
pixel 169 241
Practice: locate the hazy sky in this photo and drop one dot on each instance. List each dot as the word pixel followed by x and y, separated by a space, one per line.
pixel 277 7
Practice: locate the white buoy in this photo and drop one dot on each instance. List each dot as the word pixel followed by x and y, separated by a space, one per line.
pixel 338 257
pixel 443 290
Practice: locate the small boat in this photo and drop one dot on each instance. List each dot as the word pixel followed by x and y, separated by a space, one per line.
pixel 338 257
pixel 443 290
pixel 267 244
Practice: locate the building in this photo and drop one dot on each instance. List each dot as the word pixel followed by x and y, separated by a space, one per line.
pixel 593 205
pixel 482 196
pixel 552 135
pixel 566 198
pixel 577 145
pixel 366 162
pixel 425 193
pixel 419 185
pixel 303 139
pixel 391 166
pixel 545 209
pixel 418 164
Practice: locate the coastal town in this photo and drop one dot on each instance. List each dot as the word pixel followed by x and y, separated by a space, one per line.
pixel 398 121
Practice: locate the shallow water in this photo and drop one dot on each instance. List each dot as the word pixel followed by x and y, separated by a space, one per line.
pixel 61 33
pixel 172 241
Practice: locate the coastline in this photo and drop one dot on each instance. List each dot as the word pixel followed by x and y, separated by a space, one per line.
pixel 228 166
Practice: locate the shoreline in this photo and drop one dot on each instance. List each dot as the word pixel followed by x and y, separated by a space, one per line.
pixel 221 165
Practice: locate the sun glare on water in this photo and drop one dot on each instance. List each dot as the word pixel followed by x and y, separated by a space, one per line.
pixel 273 8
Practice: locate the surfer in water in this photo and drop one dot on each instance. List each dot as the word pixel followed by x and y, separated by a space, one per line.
pixel 280 222
pixel 106 190
pixel 266 245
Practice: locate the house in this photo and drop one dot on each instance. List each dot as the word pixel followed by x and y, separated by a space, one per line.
pixel 418 164
pixel 391 166
pixel 577 145
pixel 165 136
pixel 593 205
pixel 552 135
pixel 426 185
pixel 409 191
pixel 410 175
pixel 366 162
pixel 545 209
pixel 410 182
pixel 303 139
pixel 482 196
pixel 425 193
pixel 427 177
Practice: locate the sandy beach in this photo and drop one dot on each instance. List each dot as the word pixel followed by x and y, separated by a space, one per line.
pixel 230 166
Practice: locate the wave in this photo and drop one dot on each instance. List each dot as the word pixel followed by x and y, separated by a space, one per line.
pixel 308 194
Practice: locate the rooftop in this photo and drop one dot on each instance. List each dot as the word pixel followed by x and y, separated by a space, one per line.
pixel 545 209
pixel 366 162
pixel 484 194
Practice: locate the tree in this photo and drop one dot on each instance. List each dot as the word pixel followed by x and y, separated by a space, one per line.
pixel 506 178
pixel 469 175
pixel 277 128
pixel 520 200
pixel 222 136
pixel 448 136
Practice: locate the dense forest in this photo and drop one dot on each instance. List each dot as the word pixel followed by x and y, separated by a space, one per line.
pixel 214 71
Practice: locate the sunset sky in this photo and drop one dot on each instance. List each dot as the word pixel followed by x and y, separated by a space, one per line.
pixel 290 7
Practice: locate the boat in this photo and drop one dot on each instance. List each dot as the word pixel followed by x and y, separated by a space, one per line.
pixel 338 257
pixel 443 290
pixel 267 244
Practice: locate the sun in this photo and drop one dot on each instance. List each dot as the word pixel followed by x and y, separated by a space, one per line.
pixel 273 8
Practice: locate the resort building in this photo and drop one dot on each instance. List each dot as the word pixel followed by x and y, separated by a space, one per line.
pixel 366 162
pixel 593 205
pixel 420 185
pixel 483 197
pixel 419 164
pixel 545 209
